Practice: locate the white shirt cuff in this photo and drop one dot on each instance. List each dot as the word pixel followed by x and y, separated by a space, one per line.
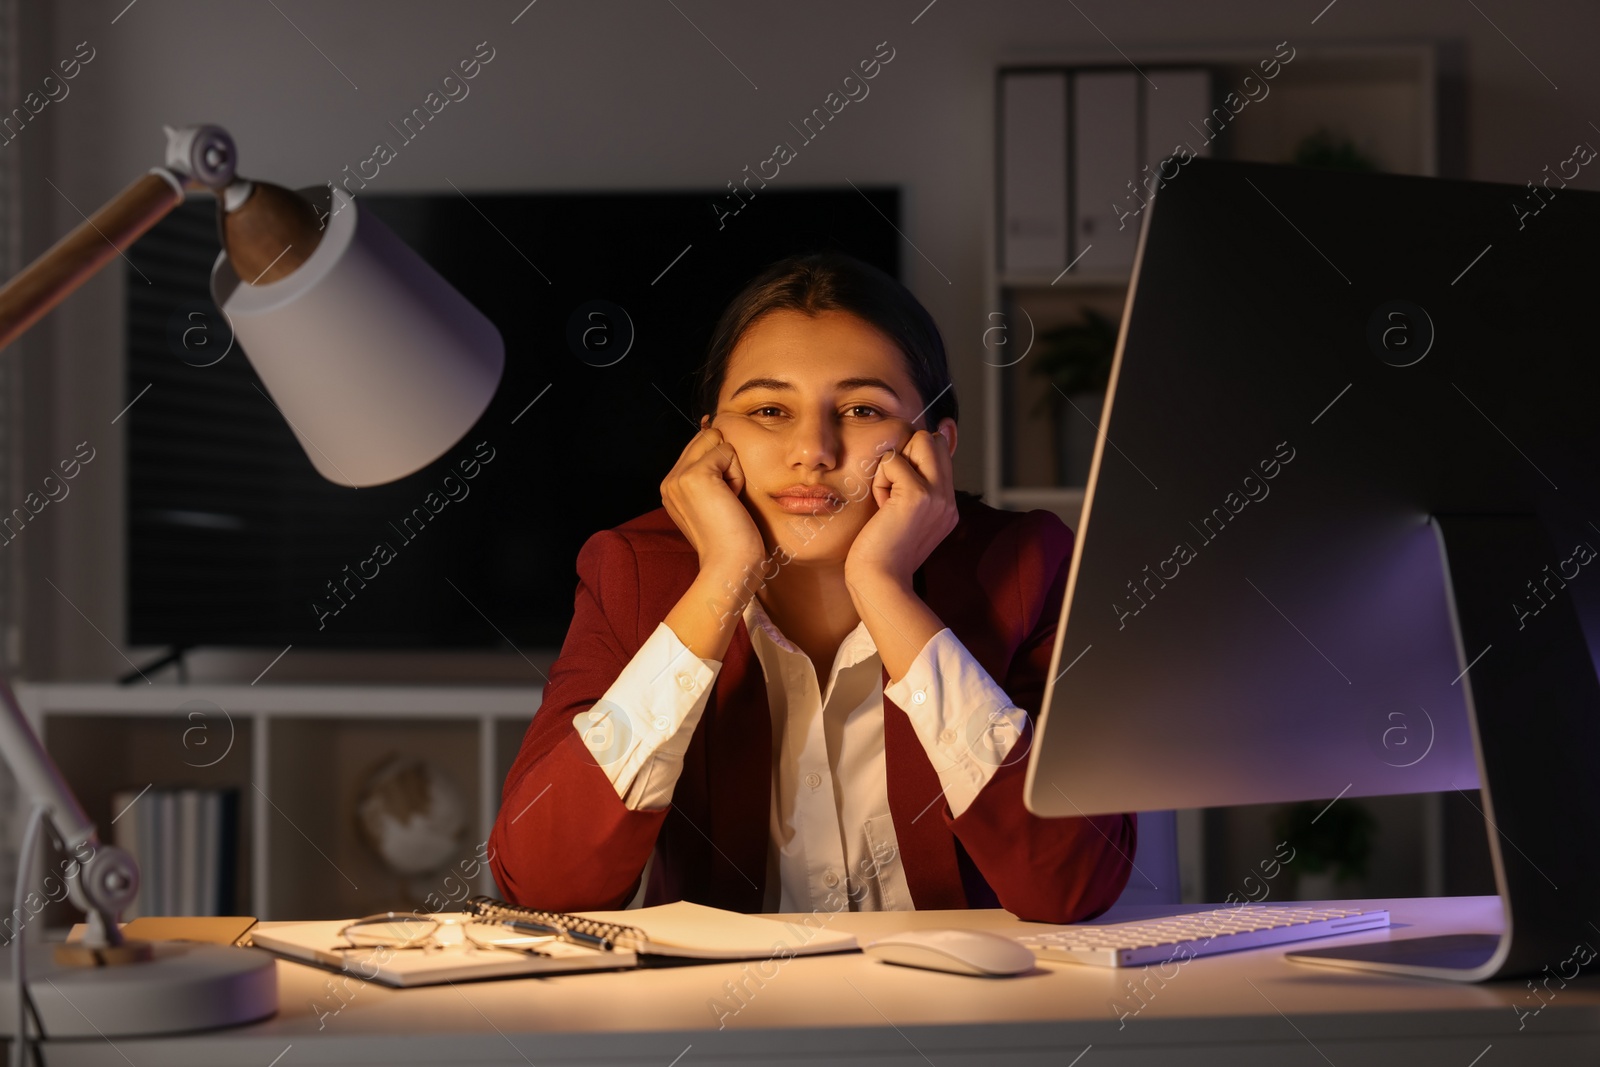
pixel 964 720
pixel 639 730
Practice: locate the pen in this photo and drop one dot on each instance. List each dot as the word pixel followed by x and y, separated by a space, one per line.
pixel 563 932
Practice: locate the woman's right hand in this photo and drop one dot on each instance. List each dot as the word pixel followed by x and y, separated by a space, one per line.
pixel 701 493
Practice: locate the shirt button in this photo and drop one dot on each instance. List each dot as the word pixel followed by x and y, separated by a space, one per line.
pixel 686 681
pixel 947 737
pixel 813 779
pixel 830 879
pixel 919 697
pixel 661 722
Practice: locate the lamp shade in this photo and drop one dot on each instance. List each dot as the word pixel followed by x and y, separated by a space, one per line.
pixel 376 362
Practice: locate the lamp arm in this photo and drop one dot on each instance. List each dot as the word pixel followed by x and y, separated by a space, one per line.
pixel 196 157
pixel 37 775
pixel 78 256
pixel 108 879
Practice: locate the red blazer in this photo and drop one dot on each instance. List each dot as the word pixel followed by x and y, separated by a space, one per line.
pixel 565 841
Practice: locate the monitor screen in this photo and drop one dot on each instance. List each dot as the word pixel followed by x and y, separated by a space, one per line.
pixel 606 302
pixel 1313 366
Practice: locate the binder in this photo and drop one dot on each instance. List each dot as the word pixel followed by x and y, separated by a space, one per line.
pixel 1033 172
pixel 1105 152
pixel 1171 118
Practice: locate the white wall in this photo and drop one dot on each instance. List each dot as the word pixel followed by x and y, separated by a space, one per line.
pixel 627 95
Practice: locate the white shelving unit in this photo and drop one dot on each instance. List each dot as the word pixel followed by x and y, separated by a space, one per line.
pixel 1382 97
pixel 297 755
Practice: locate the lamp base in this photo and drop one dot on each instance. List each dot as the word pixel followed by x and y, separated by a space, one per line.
pixel 78 954
pixel 185 986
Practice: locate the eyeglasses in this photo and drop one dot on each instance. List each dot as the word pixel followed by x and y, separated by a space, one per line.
pixel 396 930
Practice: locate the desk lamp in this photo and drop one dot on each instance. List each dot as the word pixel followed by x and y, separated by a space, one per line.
pixel 379 366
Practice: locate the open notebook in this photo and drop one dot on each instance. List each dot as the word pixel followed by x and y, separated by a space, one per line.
pixel 558 942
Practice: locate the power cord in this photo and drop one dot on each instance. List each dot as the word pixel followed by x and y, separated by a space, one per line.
pixel 38 1027
pixel 19 966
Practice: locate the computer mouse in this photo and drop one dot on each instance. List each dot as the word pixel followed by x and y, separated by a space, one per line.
pixel 956 951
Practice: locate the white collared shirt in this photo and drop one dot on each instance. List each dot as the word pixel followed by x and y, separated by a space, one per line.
pixel 832 844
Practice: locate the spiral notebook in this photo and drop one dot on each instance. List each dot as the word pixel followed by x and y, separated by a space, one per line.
pixel 560 942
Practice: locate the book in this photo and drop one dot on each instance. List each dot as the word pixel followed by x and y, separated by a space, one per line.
pixel 227 852
pixel 319 943
pixel 209 858
pixel 125 833
pixel 558 942
pixel 686 930
pixel 186 844
pixel 189 844
pixel 205 929
pixel 167 851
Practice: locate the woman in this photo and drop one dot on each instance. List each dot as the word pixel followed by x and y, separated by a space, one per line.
pixel 807 681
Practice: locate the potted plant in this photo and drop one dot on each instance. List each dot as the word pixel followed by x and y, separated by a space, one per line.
pixel 1332 846
pixel 1076 358
pixel 1324 149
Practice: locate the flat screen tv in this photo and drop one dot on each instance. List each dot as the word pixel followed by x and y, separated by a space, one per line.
pixel 606 302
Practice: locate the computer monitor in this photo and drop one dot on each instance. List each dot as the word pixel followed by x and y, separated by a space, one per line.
pixel 1341 522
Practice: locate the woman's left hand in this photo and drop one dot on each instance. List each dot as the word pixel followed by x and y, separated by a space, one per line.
pixel 914 486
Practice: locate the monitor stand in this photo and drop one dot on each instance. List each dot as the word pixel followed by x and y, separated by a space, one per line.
pixel 1533 699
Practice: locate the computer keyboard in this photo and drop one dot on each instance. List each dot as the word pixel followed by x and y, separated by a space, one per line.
pixel 1205 933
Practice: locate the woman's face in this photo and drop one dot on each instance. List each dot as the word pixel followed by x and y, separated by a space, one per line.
pixel 812 402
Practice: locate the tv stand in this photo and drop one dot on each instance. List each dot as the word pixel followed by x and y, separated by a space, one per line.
pixel 1533 699
pixel 138 674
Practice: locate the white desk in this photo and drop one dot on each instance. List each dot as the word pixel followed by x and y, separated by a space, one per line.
pixel 1251 1008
